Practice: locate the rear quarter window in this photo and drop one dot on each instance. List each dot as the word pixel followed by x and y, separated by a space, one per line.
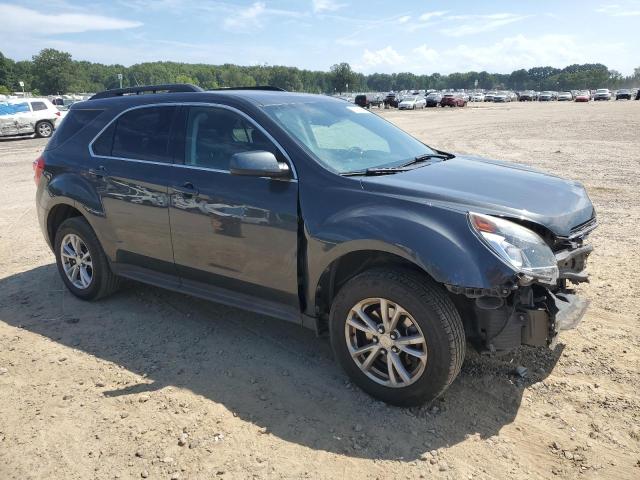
pixel 143 134
pixel 71 124
pixel 37 106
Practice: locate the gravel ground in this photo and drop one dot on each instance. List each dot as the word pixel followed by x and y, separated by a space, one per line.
pixel 154 384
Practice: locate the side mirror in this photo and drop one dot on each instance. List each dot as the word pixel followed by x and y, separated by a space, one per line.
pixel 258 163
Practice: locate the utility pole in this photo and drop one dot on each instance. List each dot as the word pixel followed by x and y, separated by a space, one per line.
pixel 120 79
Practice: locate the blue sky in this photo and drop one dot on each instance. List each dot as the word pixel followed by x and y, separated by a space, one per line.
pixel 373 36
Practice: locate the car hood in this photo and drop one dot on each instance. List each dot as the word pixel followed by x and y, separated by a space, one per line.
pixel 492 187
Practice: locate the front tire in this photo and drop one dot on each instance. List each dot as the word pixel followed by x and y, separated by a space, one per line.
pixel 82 264
pixel 397 335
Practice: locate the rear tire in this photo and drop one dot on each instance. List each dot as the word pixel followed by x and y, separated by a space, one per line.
pixel 429 366
pixel 44 129
pixel 80 244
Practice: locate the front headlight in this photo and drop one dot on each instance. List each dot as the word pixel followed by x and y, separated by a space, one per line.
pixel 517 246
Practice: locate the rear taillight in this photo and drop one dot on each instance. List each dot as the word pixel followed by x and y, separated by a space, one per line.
pixel 38 168
pixel 57 114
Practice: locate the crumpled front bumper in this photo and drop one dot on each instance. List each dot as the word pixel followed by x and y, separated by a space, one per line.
pixel 560 311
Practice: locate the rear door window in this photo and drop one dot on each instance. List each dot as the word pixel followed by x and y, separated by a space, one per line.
pixel 140 134
pixel 13 108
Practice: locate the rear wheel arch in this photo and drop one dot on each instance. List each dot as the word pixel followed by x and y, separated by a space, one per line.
pixel 44 128
pixel 58 214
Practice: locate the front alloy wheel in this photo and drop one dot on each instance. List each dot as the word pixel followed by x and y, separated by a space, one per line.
pixel 385 342
pixel 397 334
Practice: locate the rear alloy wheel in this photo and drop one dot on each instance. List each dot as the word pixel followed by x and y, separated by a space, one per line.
pixel 44 129
pixel 82 263
pixel 76 261
pixel 398 335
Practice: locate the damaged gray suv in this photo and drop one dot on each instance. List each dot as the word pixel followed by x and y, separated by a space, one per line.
pixel 308 209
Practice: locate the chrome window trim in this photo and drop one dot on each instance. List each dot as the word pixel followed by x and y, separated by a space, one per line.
pixel 190 104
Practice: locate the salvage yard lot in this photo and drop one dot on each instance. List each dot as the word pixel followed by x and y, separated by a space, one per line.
pixel 153 383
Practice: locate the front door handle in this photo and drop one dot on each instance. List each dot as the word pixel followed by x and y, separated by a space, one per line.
pixel 99 171
pixel 187 189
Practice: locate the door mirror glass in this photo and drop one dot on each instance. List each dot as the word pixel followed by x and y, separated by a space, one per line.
pixel 258 163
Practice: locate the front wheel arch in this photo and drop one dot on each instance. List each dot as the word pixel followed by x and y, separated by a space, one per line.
pixel 347 266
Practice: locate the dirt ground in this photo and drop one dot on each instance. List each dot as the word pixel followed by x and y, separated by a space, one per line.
pixel 155 384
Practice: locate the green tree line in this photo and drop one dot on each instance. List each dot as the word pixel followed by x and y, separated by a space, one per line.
pixel 55 72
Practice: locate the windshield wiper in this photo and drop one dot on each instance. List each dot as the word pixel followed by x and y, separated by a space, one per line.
pixel 370 172
pixel 399 168
pixel 428 156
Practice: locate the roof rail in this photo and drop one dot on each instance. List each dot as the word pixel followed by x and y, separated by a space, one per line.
pixel 258 87
pixel 167 88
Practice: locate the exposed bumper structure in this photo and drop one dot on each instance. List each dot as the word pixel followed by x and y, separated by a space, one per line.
pixel 541 326
pixel 502 319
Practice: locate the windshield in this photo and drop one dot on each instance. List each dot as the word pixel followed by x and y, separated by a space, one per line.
pixel 346 138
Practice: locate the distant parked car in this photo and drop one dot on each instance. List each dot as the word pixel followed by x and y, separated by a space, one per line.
pixel 28 116
pixel 477 97
pixel 583 96
pixel 488 97
pixel 412 103
pixel 602 94
pixel 638 94
pixel 527 96
pixel 433 99
pixel 623 94
pixel 501 97
pixel 565 97
pixel 453 100
pixel 391 100
pixel 546 96
pixel 368 100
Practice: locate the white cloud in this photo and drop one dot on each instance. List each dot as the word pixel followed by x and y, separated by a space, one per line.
pixel 21 20
pixel 321 6
pixel 384 56
pixel 512 53
pixel 254 17
pixel 480 23
pixel 630 9
pixel 250 17
pixel 404 19
pixel 429 15
pixel 427 54
pixel 504 56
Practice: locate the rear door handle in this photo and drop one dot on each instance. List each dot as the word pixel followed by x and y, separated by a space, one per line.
pixel 99 171
pixel 187 189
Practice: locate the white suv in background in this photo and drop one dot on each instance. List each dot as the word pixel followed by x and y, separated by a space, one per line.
pixel 26 116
